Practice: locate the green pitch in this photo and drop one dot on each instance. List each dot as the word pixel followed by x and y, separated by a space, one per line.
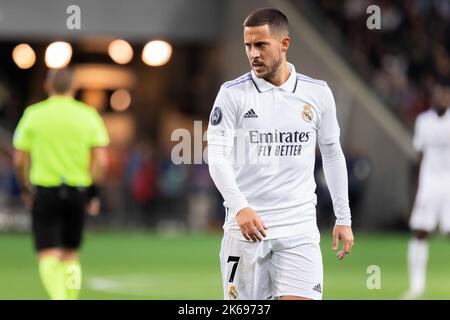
pixel 152 266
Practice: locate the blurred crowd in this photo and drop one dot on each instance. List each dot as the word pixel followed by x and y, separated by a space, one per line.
pixel 405 58
pixel 146 189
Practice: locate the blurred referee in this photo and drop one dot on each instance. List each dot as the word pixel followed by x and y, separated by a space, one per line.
pixel 59 157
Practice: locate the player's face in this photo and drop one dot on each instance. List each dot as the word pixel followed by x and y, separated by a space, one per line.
pixel 264 50
pixel 441 97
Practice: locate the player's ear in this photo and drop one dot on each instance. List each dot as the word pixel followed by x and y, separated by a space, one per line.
pixel 285 42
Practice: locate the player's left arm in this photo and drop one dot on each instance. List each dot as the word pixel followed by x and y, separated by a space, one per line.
pixel 335 170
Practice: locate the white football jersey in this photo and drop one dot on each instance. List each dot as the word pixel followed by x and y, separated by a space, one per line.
pixel 273 131
pixel 432 138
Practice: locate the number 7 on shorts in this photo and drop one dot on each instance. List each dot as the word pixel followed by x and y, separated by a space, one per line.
pixel 233 270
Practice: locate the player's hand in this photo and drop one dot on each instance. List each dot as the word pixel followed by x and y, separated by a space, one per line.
pixel 345 234
pixel 93 207
pixel 251 225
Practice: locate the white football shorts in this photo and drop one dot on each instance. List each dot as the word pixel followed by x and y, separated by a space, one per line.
pixel 431 209
pixel 271 268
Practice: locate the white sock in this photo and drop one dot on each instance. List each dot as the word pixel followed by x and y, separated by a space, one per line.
pixel 417 264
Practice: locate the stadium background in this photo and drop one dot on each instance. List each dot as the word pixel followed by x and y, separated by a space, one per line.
pixel 158 235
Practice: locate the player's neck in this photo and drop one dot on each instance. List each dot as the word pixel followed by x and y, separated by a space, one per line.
pixel 281 76
pixel 53 93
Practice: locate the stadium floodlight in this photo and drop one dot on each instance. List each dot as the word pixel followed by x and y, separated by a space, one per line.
pixel 24 56
pixel 120 100
pixel 58 55
pixel 120 51
pixel 156 53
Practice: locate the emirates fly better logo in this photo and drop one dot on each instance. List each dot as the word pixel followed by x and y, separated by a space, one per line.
pixel 264 147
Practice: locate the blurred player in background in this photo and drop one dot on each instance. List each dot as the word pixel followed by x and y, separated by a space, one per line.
pixel 270 247
pixel 432 201
pixel 59 155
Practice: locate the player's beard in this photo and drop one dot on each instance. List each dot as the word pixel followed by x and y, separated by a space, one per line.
pixel 271 73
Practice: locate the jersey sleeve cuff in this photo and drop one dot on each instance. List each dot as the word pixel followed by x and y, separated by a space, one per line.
pixel 343 222
pixel 238 206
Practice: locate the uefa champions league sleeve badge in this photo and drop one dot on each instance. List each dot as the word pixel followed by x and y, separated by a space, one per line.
pixel 216 116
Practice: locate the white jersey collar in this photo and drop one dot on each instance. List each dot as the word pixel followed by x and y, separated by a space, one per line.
pixel 289 85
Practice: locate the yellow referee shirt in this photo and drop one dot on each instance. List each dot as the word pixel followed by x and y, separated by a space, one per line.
pixel 59 133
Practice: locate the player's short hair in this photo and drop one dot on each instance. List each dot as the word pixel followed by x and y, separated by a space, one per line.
pixel 60 80
pixel 276 20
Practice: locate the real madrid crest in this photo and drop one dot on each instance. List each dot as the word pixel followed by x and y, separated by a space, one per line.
pixel 232 292
pixel 307 113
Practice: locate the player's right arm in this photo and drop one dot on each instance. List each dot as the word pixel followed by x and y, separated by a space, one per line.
pixel 221 133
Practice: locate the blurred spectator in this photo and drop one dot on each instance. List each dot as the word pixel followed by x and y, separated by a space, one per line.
pixel 172 185
pixel 201 198
pixel 403 59
pixel 140 183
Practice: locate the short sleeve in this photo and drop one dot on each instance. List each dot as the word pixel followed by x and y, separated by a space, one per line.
pixel 222 120
pixel 22 135
pixel 99 134
pixel 328 131
pixel 418 139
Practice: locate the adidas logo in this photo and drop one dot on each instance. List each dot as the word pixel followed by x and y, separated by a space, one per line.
pixel 318 288
pixel 251 114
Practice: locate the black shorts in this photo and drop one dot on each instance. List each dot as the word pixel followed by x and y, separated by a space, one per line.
pixel 58 217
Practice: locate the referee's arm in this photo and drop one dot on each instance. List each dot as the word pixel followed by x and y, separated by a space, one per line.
pixel 98 165
pixel 21 158
pixel 97 169
pixel 22 162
